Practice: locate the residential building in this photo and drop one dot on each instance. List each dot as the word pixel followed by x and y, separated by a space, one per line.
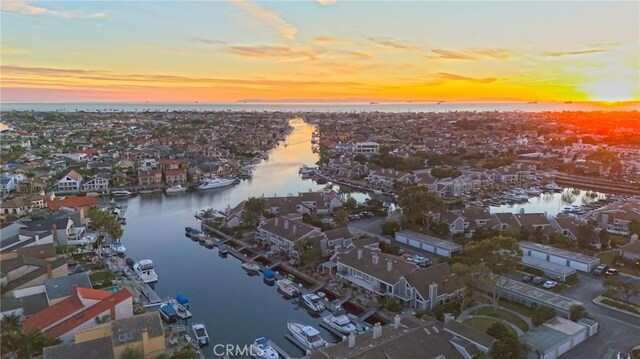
pixel 22 205
pixel 577 261
pixel 441 247
pixel 174 177
pixel 150 178
pixel 71 182
pixel 281 233
pixel 99 183
pixel 25 270
pixel 366 148
pixel 557 336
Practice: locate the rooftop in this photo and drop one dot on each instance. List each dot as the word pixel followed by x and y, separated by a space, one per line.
pixel 557 251
pixel 97 348
pixel 442 243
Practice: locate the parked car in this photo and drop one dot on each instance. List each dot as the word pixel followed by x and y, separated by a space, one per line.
pixel 527 278
pixel 611 272
pixel 600 269
pixel 549 284
pixel 538 280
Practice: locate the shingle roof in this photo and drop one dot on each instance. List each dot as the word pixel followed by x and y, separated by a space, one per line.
pixel 378 270
pixel 97 348
pixel 130 329
pixel 66 286
pixel 287 229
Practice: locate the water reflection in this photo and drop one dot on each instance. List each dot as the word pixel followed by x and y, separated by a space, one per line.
pixel 552 203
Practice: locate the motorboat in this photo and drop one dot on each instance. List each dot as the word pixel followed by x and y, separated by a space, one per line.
pixel 341 323
pixel 313 302
pixel 261 349
pixel 534 191
pixel 168 313
pixel 200 332
pixel 117 248
pixel 181 311
pixel 144 270
pixel 269 276
pixel 223 250
pixel 216 182
pixel 121 193
pixel 553 187
pixel 306 335
pixel 251 266
pixel 175 189
pixel 146 191
pixel 287 287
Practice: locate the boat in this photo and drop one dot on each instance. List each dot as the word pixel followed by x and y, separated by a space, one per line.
pixel 534 191
pixel 121 193
pixel 313 302
pixel 340 323
pixel 168 313
pixel 175 189
pixel 223 250
pixel 117 248
pixel 553 187
pixel 287 287
pixel 216 182
pixel 306 335
pixel 144 270
pixel 251 266
pixel 181 310
pixel 146 191
pixel 268 276
pixel 377 191
pixel 261 349
pixel 200 332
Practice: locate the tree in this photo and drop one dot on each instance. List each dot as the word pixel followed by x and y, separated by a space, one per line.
pixel 253 210
pixel 586 236
pixel 542 314
pixel 507 347
pixel 419 204
pixel 634 227
pixel 493 260
pixel 341 217
pixel 497 330
pixel 619 287
pixel 131 353
pixel 33 343
pixel 309 250
pixel 389 228
pixel 350 204
pixel 577 312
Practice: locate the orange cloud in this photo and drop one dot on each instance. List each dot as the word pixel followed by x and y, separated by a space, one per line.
pixel 472 54
pixel 330 40
pixel 22 7
pixel 269 17
pixel 279 52
pixel 571 53
pixel 455 77
pixel 201 40
pixel 392 43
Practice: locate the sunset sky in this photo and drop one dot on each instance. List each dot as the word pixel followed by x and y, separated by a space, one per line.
pixel 215 51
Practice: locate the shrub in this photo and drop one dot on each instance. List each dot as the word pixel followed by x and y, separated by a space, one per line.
pixel 390 228
pixel 542 314
pixel 497 330
pixel 392 305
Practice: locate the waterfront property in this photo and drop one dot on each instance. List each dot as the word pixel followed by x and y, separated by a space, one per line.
pixel 558 335
pixel 441 247
pixel 383 275
pixel 281 233
pixel 577 261
pixel 23 268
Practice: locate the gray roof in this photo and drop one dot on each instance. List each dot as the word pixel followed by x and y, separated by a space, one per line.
pixel 129 330
pixel 540 295
pixel 65 286
pixel 288 229
pixel 97 348
pixel 45 224
pixel 441 243
pixel 546 265
pixel 469 333
pixel 557 252
pixel 544 338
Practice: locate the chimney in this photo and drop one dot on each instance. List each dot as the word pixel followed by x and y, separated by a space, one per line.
pixel 286 224
pixel 145 340
pixel 352 340
pixel 396 321
pixel 433 295
pixel 389 265
pixel 374 258
pixel 521 210
pixel 448 317
pixel 276 221
pixel 634 238
pixel 293 229
pixel 49 273
pixel 54 232
pixel 359 253
pixel 377 330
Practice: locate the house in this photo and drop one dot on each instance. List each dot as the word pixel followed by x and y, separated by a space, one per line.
pixel 16 235
pixel 99 182
pixel 71 182
pixel 557 336
pixel 382 274
pixel 505 175
pixel 22 270
pixel 65 232
pixel 428 243
pixel 388 178
pixel 615 217
pixel 567 226
pixel 79 311
pixel 7 183
pixel 366 148
pixel 150 178
pixel 174 177
pixel 81 203
pixel 22 205
pixel 577 261
pixel 336 239
pixel 281 233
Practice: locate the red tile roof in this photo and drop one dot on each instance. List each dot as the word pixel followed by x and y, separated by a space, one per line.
pixel 73 202
pixel 54 313
pixel 89 313
pixel 88 293
pixel 174 172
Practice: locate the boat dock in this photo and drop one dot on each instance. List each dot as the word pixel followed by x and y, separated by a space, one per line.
pixel 296 343
pixel 335 333
pixel 281 351
pixel 373 310
pixel 151 295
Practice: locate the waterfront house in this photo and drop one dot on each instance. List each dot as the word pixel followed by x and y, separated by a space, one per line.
pixel 173 177
pixel 616 217
pixel 383 275
pixel 150 178
pixel 99 182
pixel 366 148
pixel 64 229
pixel 388 178
pixel 71 182
pixel 79 311
pixel 336 239
pixel 281 233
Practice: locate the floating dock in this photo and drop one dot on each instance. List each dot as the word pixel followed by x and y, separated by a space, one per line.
pixel 151 295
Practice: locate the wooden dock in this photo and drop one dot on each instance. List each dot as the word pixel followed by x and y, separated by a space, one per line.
pixel 296 343
pixel 317 287
pixel 280 351
pixel 151 295
pixel 373 310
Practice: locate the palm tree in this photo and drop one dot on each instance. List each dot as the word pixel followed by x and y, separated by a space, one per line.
pixel 33 343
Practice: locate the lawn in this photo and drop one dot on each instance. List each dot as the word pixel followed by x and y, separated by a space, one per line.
pixel 482 324
pixel 624 306
pixel 506 315
pixel 101 276
pixel 608 258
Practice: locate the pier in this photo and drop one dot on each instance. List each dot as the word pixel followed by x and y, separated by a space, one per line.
pixel 281 351
pixel 371 311
pixel 151 295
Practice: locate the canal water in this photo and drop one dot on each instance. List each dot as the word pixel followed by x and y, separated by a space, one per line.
pixel 236 308
pixel 552 203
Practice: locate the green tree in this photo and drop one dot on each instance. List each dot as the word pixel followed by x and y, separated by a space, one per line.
pixel 309 251
pixel 253 210
pixel 634 227
pixel 577 312
pixel 341 217
pixel 419 205
pixel 497 330
pixel 542 314
pixel 350 203
pixel 586 235
pixel 389 228
pixel 507 347
pixel 621 288
pixel 131 353
pixel 33 343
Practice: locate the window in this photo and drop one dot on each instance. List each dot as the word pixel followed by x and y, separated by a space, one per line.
pixel 548 257
pixel 568 263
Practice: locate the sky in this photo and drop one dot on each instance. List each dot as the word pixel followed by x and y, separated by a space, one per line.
pixel 324 50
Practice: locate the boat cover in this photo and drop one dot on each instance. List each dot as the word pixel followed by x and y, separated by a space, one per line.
pixel 182 299
pixel 268 274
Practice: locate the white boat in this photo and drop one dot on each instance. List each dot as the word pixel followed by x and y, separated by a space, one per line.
pixel 340 323
pixel 200 332
pixel 146 191
pixel 377 191
pixel 176 189
pixel 121 193
pixel 306 335
pixel 216 182
pixel 313 302
pixel 533 191
pixel 180 309
pixel 261 349
pixel 287 287
pixel 117 247
pixel 552 187
pixel 144 270
pixel 250 266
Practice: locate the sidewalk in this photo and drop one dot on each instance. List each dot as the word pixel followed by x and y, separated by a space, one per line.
pixel 598 301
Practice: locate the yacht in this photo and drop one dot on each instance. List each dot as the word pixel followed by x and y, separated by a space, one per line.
pixel 121 193
pixel 146 191
pixel 176 189
pixel 200 332
pixel 181 311
pixel 553 187
pixel 313 302
pixel 287 287
pixel 216 182
pixel 144 269
pixel 306 335
pixel 251 266
pixel 117 248
pixel 340 323
pixel 261 349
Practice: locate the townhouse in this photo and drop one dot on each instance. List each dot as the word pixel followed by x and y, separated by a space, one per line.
pixel 281 233
pixel 99 182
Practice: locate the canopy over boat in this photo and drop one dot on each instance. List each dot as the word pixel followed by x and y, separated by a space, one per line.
pixel 182 299
pixel 268 274
pixel 169 310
